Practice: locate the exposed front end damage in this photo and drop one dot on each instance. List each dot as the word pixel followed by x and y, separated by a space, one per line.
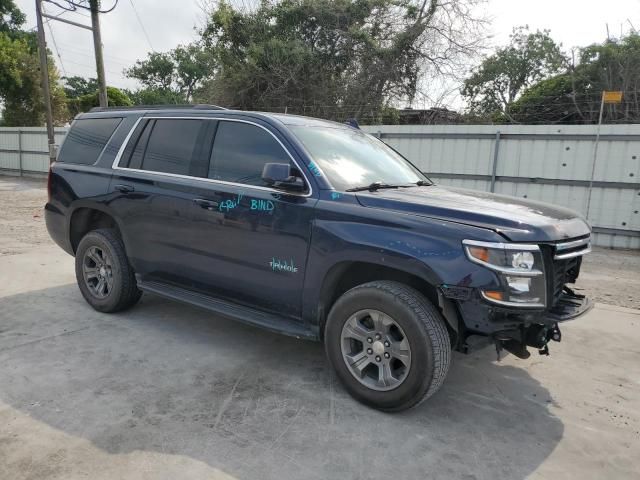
pixel 538 335
pixel 514 327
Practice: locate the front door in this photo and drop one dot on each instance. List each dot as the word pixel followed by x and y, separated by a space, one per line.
pixel 253 240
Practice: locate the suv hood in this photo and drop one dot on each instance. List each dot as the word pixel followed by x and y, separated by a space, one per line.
pixel 517 219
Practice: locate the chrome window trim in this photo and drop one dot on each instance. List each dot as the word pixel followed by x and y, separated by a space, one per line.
pixel 511 304
pixel 116 162
pixel 503 246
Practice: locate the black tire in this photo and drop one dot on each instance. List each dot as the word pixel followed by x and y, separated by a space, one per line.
pixel 423 327
pixel 124 292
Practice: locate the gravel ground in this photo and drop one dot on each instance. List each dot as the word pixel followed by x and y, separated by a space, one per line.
pixel 608 276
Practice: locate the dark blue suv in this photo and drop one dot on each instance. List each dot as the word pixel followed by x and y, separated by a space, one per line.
pixel 314 229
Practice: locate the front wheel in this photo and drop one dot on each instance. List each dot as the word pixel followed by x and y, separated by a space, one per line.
pixel 388 344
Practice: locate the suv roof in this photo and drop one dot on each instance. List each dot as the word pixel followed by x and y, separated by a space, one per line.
pixel 159 107
pixel 201 109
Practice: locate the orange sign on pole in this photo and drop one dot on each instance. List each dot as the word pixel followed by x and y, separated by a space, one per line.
pixel 611 97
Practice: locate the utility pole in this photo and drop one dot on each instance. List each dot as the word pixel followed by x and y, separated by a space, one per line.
pixel 607 97
pixel 94 7
pixel 97 46
pixel 44 74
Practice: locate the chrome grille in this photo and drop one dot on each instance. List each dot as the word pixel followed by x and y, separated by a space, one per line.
pixel 563 261
pixel 572 248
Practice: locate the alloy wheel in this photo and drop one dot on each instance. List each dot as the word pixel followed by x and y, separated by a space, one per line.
pixel 97 271
pixel 375 350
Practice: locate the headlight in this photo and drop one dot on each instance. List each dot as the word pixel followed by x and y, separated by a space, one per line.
pixel 519 267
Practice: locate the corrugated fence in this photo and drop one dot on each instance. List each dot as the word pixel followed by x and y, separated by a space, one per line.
pixel 24 150
pixel 550 163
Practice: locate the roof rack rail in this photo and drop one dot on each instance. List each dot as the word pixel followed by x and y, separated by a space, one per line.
pixel 160 107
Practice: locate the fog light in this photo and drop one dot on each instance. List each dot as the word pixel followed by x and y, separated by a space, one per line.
pixel 519 284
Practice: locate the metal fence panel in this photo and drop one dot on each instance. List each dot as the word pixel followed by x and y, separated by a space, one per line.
pixel 548 163
pixel 25 149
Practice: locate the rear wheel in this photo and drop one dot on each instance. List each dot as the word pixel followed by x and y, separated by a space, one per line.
pixel 103 273
pixel 388 344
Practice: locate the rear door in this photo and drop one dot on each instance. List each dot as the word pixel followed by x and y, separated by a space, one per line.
pixel 253 246
pixel 153 195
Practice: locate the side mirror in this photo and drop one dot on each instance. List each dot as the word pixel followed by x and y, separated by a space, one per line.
pixel 278 175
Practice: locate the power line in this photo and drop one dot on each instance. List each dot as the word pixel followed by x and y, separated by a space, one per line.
pixel 144 30
pixel 90 66
pixel 78 53
pixel 73 6
pixel 77 50
pixel 93 6
pixel 55 47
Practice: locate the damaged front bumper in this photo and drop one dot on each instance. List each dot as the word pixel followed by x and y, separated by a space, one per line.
pixel 516 331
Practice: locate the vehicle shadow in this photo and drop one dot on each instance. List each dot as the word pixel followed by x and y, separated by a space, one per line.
pixel 173 379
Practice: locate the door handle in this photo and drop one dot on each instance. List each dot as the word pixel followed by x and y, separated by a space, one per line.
pixel 204 203
pixel 124 188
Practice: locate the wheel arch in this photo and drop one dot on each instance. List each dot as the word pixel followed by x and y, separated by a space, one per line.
pixel 84 219
pixel 345 275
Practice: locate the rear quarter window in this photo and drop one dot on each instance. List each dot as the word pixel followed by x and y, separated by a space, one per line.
pixel 86 140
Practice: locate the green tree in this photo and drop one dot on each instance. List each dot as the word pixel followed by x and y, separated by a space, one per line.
pixel 332 58
pixel 574 96
pixel 76 86
pixel 155 96
pixel 11 17
pixel 157 71
pixel 172 77
pixel 503 76
pixel 84 103
pixel 612 65
pixel 20 91
pixel 548 101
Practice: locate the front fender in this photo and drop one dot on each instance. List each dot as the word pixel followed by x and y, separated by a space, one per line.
pixel 433 254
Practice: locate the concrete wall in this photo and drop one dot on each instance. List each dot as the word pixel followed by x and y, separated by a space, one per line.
pixel 543 162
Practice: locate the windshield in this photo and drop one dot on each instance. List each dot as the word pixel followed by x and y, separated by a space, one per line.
pixel 351 158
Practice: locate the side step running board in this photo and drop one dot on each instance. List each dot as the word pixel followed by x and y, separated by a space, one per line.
pixel 244 314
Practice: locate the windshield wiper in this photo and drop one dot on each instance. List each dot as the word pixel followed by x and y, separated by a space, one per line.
pixel 423 183
pixel 373 187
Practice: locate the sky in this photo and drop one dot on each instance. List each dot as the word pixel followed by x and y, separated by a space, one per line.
pixel 168 23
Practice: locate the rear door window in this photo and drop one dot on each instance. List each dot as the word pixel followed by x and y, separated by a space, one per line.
pixel 172 147
pixel 240 151
pixel 136 150
pixel 86 140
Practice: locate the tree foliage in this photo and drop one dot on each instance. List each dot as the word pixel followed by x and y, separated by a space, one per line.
pixel 503 76
pixel 11 17
pixel 574 96
pixel 20 90
pixel 173 75
pixel 155 96
pixel 314 56
pixel 76 86
pixel 87 101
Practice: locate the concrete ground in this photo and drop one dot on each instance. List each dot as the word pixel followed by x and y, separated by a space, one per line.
pixel 169 391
